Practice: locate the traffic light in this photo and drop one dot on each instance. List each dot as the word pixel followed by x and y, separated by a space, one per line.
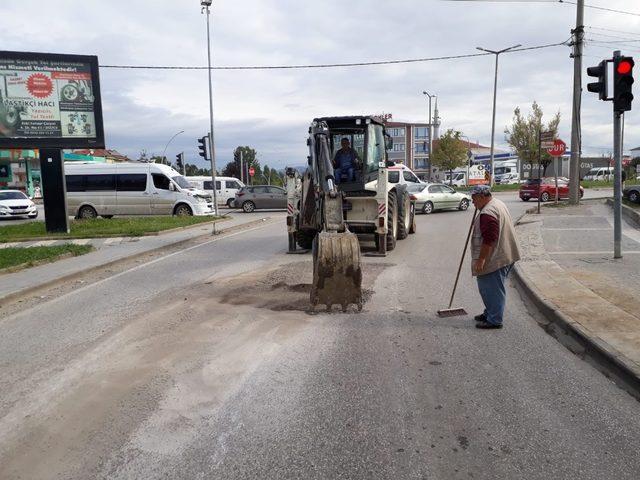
pixel 599 87
pixel 203 147
pixel 622 82
pixel 179 162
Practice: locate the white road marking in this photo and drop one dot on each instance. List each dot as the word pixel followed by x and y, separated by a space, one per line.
pixel 596 252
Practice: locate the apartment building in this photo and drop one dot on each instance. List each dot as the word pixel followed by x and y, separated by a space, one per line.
pixel 410 146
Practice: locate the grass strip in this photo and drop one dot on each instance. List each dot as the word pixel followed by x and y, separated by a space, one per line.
pixel 101 227
pixel 29 256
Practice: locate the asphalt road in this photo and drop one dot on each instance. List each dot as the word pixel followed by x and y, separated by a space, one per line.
pixel 204 364
pixel 511 196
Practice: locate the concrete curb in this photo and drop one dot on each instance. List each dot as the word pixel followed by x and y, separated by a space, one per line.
pixel 71 276
pixel 100 237
pixel 604 357
pixel 630 214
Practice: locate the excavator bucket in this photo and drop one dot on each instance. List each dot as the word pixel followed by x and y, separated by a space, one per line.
pixel 337 275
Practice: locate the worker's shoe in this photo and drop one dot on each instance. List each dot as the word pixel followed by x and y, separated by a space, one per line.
pixel 487 326
pixel 480 318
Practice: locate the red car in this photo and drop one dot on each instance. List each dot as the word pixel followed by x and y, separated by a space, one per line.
pixel 547 191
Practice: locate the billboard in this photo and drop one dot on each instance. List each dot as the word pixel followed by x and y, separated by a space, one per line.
pixel 49 101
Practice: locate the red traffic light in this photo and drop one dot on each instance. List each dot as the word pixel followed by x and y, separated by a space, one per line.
pixel 624 67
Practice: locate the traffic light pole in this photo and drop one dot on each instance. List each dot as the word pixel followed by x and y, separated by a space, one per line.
pixel 212 151
pixel 617 185
pixel 574 164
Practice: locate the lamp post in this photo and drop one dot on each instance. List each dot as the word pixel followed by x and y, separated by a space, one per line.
pixel 167 145
pixel 495 91
pixel 206 4
pixel 424 92
pixel 469 157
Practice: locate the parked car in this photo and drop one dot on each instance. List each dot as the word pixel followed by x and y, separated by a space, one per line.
pixel 14 203
pixel 547 191
pixel 632 193
pixel 226 187
pixel 250 198
pixel 602 174
pixel 131 189
pixel 437 196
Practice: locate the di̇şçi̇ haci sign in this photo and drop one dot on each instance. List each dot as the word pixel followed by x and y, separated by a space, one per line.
pixel 50 101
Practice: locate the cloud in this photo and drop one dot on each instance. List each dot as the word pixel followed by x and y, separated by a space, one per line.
pixel 271 110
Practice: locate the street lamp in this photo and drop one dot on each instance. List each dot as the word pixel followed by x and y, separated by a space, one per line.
pixel 495 91
pixel 206 4
pixel 424 92
pixel 167 145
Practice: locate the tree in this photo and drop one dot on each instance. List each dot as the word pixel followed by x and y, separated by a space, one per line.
pixel 450 152
pixel 194 171
pixel 523 136
pixel 249 159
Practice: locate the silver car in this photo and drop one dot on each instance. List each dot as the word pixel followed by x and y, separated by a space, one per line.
pixel 437 196
pixel 249 198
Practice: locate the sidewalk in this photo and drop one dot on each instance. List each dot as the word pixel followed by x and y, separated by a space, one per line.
pixel 109 250
pixel 569 271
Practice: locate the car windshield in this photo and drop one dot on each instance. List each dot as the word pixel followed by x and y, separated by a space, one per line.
pixel 12 196
pixel 182 182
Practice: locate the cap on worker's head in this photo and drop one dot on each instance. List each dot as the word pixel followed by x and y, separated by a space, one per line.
pixel 484 190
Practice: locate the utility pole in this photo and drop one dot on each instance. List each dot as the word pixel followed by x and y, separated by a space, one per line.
pixel 576 147
pixel 206 4
pixel 241 167
pixel 495 93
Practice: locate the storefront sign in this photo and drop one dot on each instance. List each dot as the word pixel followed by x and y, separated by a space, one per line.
pixel 49 100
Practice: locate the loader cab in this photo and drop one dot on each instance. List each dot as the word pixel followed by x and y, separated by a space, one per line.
pixel 367 137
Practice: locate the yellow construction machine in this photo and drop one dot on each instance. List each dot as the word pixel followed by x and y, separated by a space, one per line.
pixel 325 213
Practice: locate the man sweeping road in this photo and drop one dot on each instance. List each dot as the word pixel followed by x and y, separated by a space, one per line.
pixel 494 250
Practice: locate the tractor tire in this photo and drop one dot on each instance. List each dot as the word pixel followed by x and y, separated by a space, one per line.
pixel 305 238
pixel 414 227
pixel 392 221
pixel 404 214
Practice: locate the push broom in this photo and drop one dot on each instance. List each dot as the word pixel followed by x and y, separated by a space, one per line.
pixel 454 312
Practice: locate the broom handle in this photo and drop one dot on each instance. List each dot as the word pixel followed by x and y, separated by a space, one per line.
pixel 455 285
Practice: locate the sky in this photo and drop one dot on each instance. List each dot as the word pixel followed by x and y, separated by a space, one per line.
pixel 270 110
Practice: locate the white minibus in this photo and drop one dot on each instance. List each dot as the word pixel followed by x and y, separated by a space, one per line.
pixel 132 188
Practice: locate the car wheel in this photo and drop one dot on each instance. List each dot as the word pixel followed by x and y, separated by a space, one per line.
pixel 230 203
pixel 70 93
pixel 428 208
pixel 544 197
pixel 581 193
pixel 464 204
pixel 248 206
pixel 35 215
pixel 183 210
pixel 87 212
pixel 634 196
pixel 525 199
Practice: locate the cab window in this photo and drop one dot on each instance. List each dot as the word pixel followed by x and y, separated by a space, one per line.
pixel 376 149
pixel 232 184
pixel 160 181
pixel 410 177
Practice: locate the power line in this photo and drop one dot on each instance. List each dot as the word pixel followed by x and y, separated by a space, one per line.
pixel 613 30
pixel 595 7
pixel 602 8
pixel 324 65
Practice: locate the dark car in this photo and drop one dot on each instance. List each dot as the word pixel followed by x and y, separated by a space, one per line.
pixel 546 188
pixel 632 192
pixel 252 197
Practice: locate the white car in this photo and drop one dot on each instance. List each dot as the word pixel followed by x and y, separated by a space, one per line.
pixel 14 203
